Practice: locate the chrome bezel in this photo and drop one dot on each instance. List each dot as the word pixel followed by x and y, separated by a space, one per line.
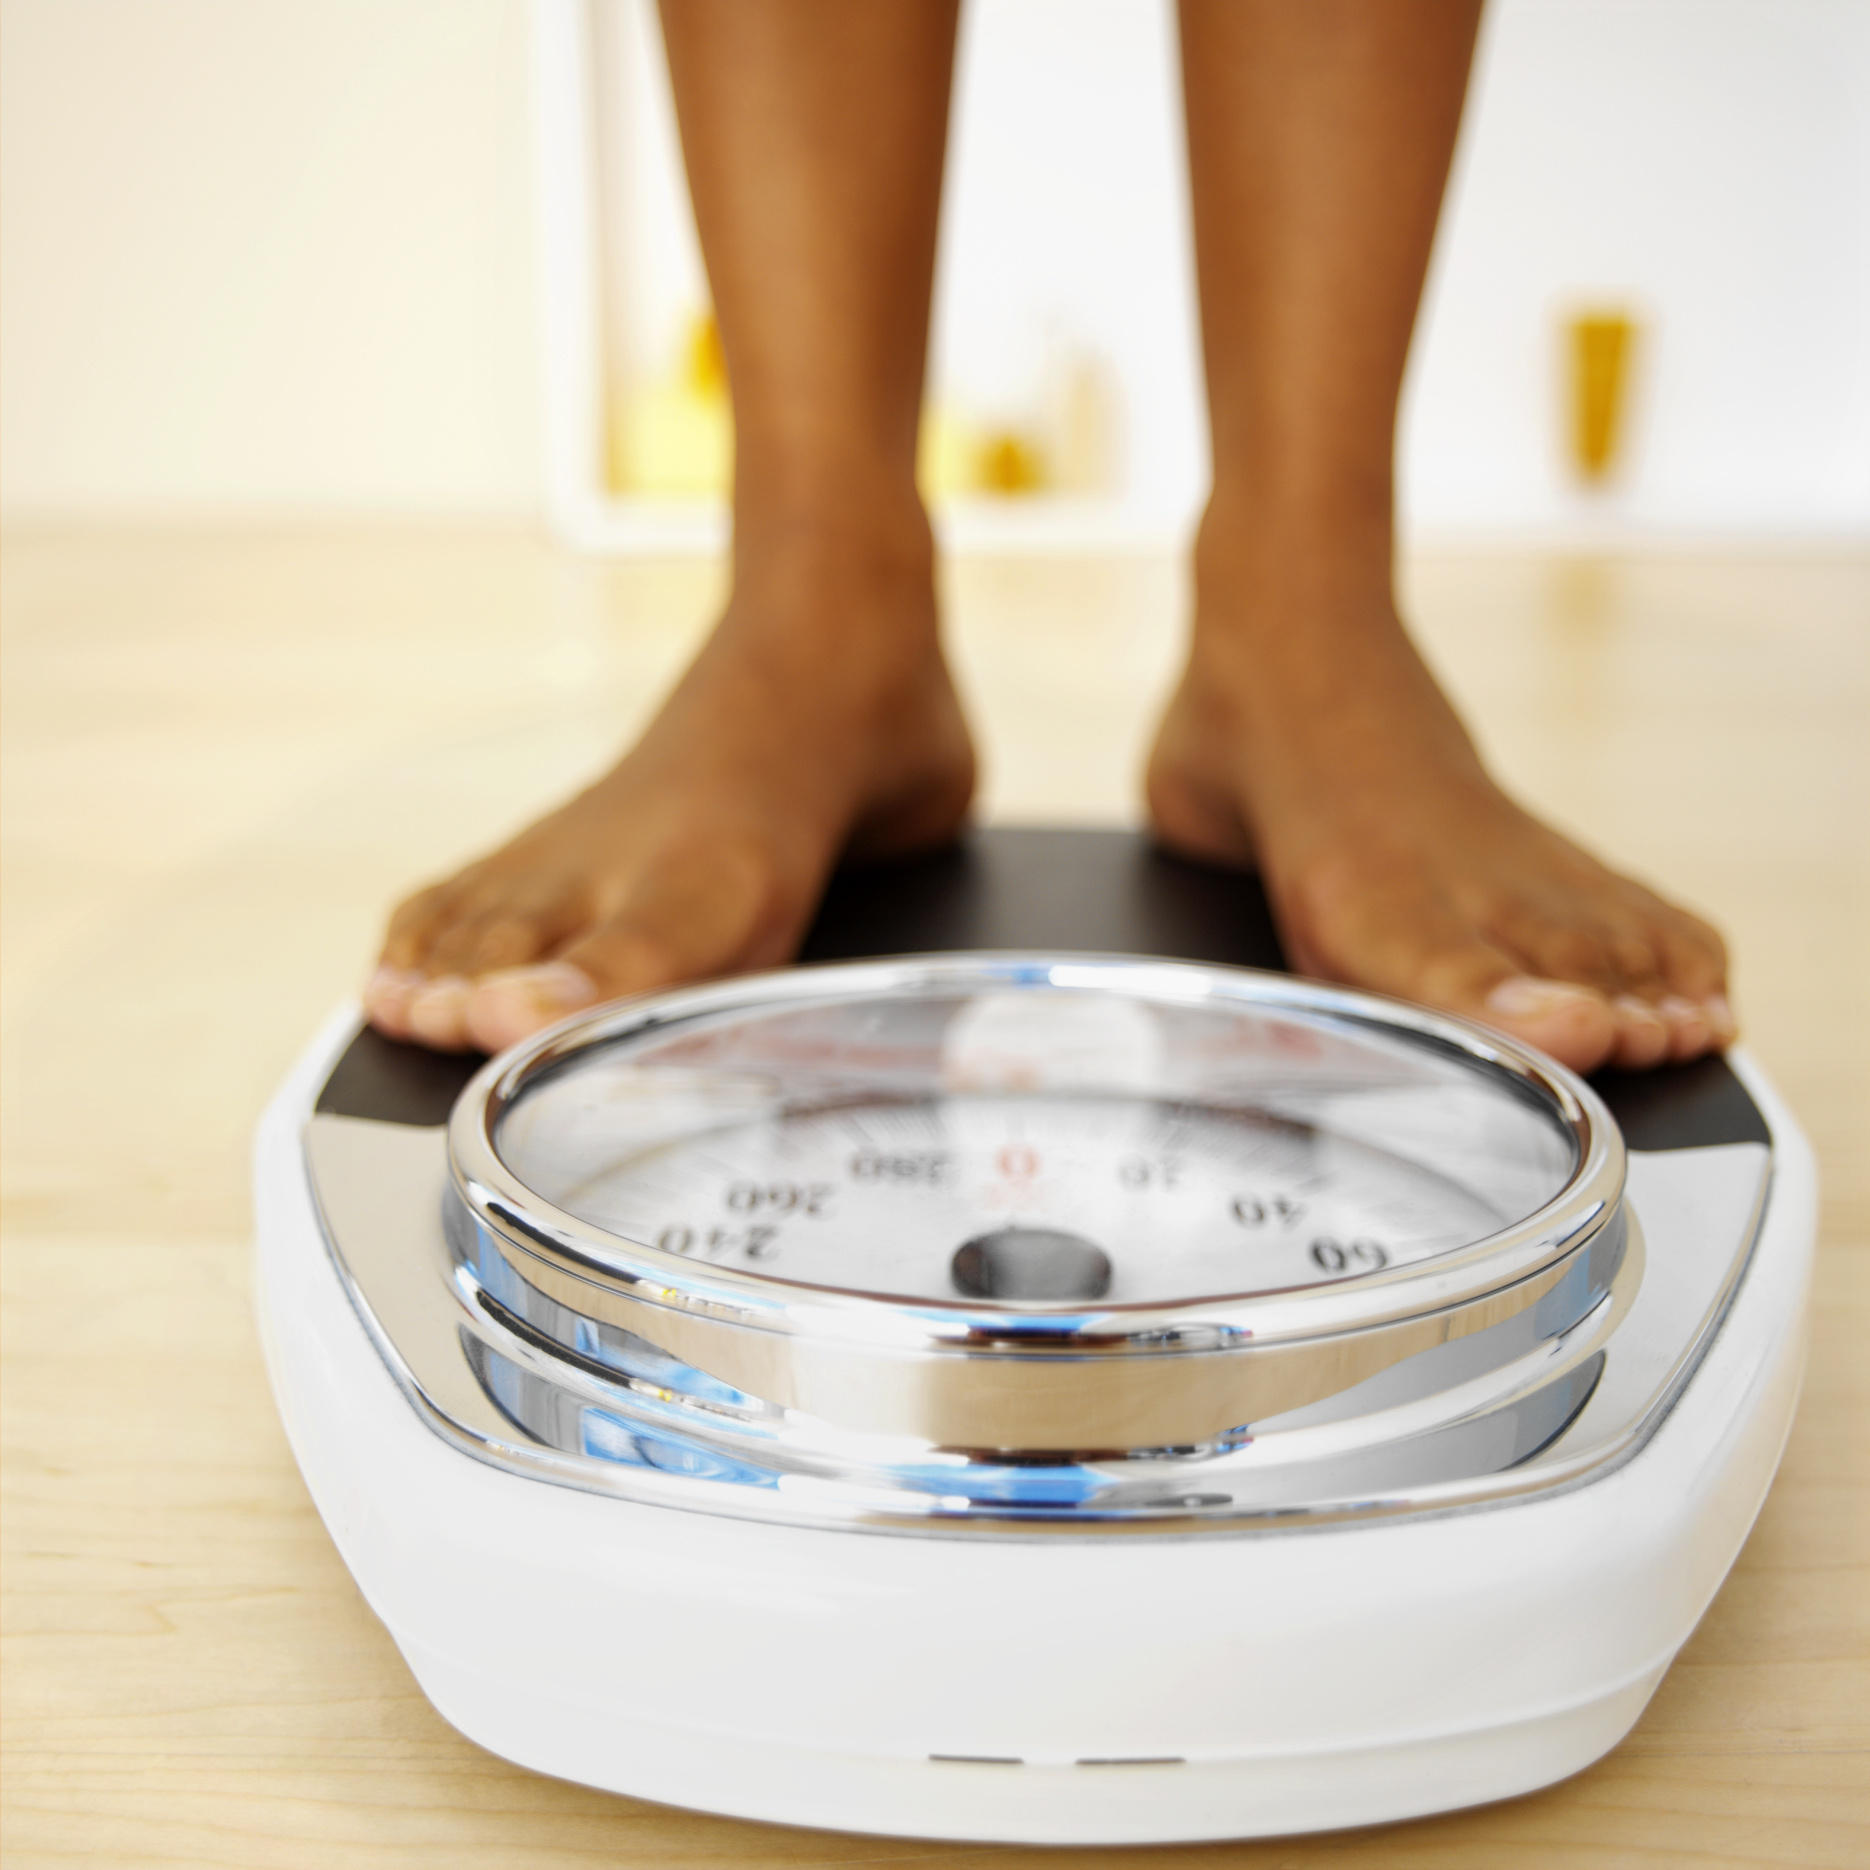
pixel 1482 1276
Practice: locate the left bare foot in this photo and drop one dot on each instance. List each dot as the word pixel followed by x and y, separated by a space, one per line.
pixel 1307 737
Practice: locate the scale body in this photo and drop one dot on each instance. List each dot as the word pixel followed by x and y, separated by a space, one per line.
pixel 1464 1587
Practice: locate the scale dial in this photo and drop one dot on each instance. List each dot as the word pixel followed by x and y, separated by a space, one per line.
pixel 1047 1144
pixel 955 1198
pixel 1033 1199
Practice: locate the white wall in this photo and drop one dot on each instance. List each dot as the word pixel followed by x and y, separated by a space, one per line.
pixel 277 255
pixel 1707 161
pixel 1065 219
pixel 267 255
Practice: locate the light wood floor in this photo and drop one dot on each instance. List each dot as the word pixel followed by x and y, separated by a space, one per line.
pixel 227 753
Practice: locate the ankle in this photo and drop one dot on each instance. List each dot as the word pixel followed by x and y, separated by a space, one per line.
pixel 846 594
pixel 1295 522
pixel 845 492
pixel 853 532
pixel 1291 568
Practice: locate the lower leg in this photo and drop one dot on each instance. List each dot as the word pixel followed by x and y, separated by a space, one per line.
pixel 820 715
pixel 1307 734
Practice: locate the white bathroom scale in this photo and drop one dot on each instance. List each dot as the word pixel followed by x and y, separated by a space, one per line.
pixel 1038 1372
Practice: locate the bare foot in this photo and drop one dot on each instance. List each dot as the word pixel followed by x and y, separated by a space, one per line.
pixel 818 718
pixel 1308 737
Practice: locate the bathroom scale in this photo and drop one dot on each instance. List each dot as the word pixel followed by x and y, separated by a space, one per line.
pixel 1035 1371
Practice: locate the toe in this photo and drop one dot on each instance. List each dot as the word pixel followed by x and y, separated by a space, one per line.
pixel 437 1014
pixel 1661 969
pixel 414 925
pixel 1643 1034
pixel 443 941
pixel 1691 1030
pixel 1577 1025
pixel 509 1006
pixel 1391 930
pixel 386 999
pixel 501 935
pixel 1559 939
pixel 1693 955
pixel 686 919
pixel 1694 970
pixel 690 916
pixel 404 969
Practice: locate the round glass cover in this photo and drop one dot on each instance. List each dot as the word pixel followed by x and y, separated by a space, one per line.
pixel 1045 1135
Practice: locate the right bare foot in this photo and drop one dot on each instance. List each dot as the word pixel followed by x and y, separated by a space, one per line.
pixel 818 718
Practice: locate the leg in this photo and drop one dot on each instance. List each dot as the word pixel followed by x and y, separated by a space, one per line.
pixel 820 715
pixel 1307 735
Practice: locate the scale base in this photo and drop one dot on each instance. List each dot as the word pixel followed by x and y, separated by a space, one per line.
pixel 1056 1690
pixel 1066 1803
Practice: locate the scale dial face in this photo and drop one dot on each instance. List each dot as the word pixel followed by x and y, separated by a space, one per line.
pixel 1034 1198
pixel 1076 1137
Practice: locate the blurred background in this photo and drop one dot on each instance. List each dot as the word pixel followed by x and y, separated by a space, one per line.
pixel 434 257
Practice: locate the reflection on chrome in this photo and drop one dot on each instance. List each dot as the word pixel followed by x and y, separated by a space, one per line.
pixel 1484 1309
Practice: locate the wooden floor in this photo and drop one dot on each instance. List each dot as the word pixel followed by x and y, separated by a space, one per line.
pixel 226 754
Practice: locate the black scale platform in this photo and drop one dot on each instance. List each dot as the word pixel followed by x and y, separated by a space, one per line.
pixel 1098 892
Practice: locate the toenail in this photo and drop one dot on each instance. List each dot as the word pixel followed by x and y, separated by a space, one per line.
pixel 1523 997
pixel 1635 1008
pixel 1679 1011
pixel 389 983
pixel 554 985
pixel 1721 1017
pixel 434 1008
pixel 442 986
pixel 511 1005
